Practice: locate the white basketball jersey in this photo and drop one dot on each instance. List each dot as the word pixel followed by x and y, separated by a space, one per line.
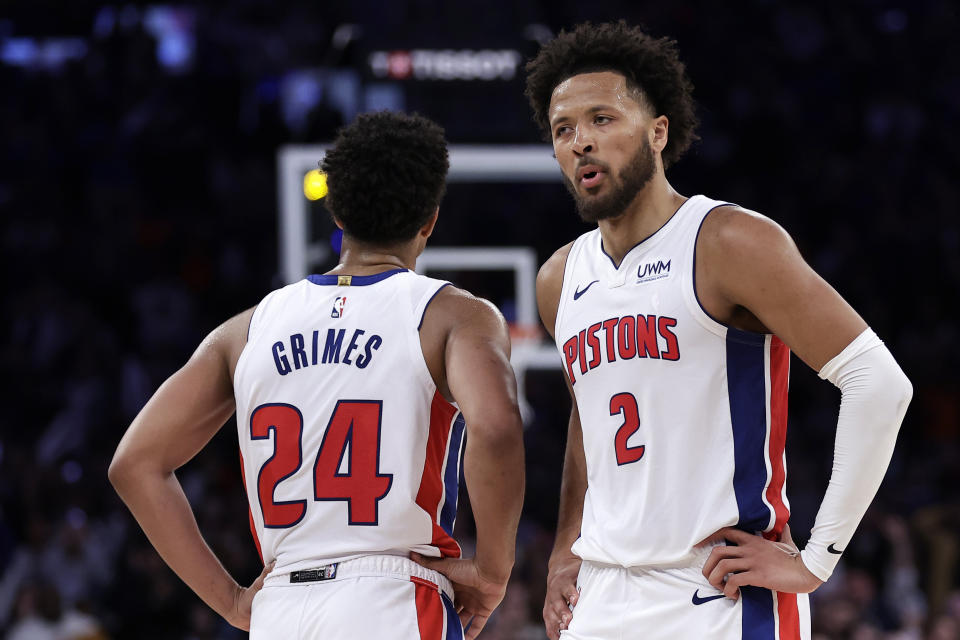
pixel 347 448
pixel 684 419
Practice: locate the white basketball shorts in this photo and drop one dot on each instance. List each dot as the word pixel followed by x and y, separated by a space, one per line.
pixel 679 604
pixel 365 598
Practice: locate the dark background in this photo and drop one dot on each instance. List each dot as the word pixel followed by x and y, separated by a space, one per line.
pixel 138 205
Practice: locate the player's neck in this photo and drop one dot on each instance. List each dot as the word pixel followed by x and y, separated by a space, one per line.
pixel 361 260
pixel 654 205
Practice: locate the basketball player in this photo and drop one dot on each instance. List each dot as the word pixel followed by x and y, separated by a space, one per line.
pixel 674 319
pixel 343 385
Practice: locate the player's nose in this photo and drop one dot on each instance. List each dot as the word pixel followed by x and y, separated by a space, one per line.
pixel 583 142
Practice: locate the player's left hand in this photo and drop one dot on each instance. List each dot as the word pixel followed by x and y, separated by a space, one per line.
pixel 476 595
pixel 243 600
pixel 758 562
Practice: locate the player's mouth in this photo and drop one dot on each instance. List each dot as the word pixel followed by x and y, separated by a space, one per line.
pixel 590 176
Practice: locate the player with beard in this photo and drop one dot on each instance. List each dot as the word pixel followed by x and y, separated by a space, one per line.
pixel 675 319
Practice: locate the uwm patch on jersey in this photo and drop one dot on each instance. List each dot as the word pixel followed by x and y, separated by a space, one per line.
pixel 346 446
pixel 684 418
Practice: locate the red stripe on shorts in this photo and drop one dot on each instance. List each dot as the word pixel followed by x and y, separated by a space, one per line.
pixel 429 609
pixel 789 616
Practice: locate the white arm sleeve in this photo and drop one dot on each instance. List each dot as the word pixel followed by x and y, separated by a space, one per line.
pixel 874 397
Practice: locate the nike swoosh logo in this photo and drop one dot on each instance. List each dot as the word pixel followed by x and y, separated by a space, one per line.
pixel 698 600
pixel 833 549
pixel 578 292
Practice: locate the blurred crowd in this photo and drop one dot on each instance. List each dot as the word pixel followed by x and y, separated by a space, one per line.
pixel 138 202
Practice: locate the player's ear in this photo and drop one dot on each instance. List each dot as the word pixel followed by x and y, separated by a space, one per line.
pixel 337 222
pixel 658 133
pixel 427 229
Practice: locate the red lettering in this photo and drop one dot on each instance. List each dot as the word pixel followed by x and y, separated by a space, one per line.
pixel 626 332
pixel 610 332
pixel 583 354
pixel 647 337
pixel 570 355
pixel 285 423
pixel 673 345
pixel 625 404
pixel 594 343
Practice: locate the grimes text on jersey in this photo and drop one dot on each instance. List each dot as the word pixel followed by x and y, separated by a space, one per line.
pixel 336 348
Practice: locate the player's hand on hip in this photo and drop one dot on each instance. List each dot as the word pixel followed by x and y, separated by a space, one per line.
pixel 243 600
pixel 755 561
pixel 562 594
pixel 476 594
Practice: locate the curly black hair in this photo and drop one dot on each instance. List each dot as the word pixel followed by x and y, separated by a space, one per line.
pixel 650 65
pixel 386 175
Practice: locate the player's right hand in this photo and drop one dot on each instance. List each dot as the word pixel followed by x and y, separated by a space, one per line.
pixel 562 594
pixel 243 600
pixel 476 595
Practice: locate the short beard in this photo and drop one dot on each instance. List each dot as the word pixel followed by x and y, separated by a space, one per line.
pixel 629 181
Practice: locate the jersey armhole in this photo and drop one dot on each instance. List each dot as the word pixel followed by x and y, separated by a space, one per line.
pixel 690 295
pixel 419 313
pixel 423 310
pixel 567 262
pixel 250 323
pixel 252 327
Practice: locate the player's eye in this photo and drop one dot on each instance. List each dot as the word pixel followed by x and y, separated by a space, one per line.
pixel 602 119
pixel 562 130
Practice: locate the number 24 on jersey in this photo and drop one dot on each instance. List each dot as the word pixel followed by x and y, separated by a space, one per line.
pixel 355 423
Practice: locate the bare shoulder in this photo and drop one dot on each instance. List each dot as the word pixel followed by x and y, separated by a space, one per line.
pixel 457 308
pixel 746 261
pixel 228 339
pixel 550 286
pixel 743 258
pixel 551 273
pixel 742 234
pixel 457 322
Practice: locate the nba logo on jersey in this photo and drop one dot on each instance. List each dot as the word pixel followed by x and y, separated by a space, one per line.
pixel 337 310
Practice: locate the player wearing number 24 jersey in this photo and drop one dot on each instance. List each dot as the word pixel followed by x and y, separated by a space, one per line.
pixel 353 392
pixel 674 319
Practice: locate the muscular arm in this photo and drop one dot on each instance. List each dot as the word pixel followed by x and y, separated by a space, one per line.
pixel 480 379
pixel 564 565
pixel 467 348
pixel 748 265
pixel 574 483
pixel 180 418
pixel 753 273
pixel 573 487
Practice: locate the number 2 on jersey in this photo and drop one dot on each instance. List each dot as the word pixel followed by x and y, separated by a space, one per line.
pixel 626 404
pixel 355 423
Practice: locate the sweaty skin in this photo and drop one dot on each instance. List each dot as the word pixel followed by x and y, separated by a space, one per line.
pixel 749 275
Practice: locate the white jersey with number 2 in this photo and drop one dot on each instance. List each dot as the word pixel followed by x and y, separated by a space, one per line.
pixel 684 418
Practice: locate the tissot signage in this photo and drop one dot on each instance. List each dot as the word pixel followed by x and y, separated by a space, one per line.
pixel 446 64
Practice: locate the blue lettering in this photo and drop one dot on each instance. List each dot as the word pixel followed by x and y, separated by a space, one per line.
pixel 316 343
pixel 331 350
pixel 372 344
pixel 353 345
pixel 296 348
pixel 650 269
pixel 283 365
